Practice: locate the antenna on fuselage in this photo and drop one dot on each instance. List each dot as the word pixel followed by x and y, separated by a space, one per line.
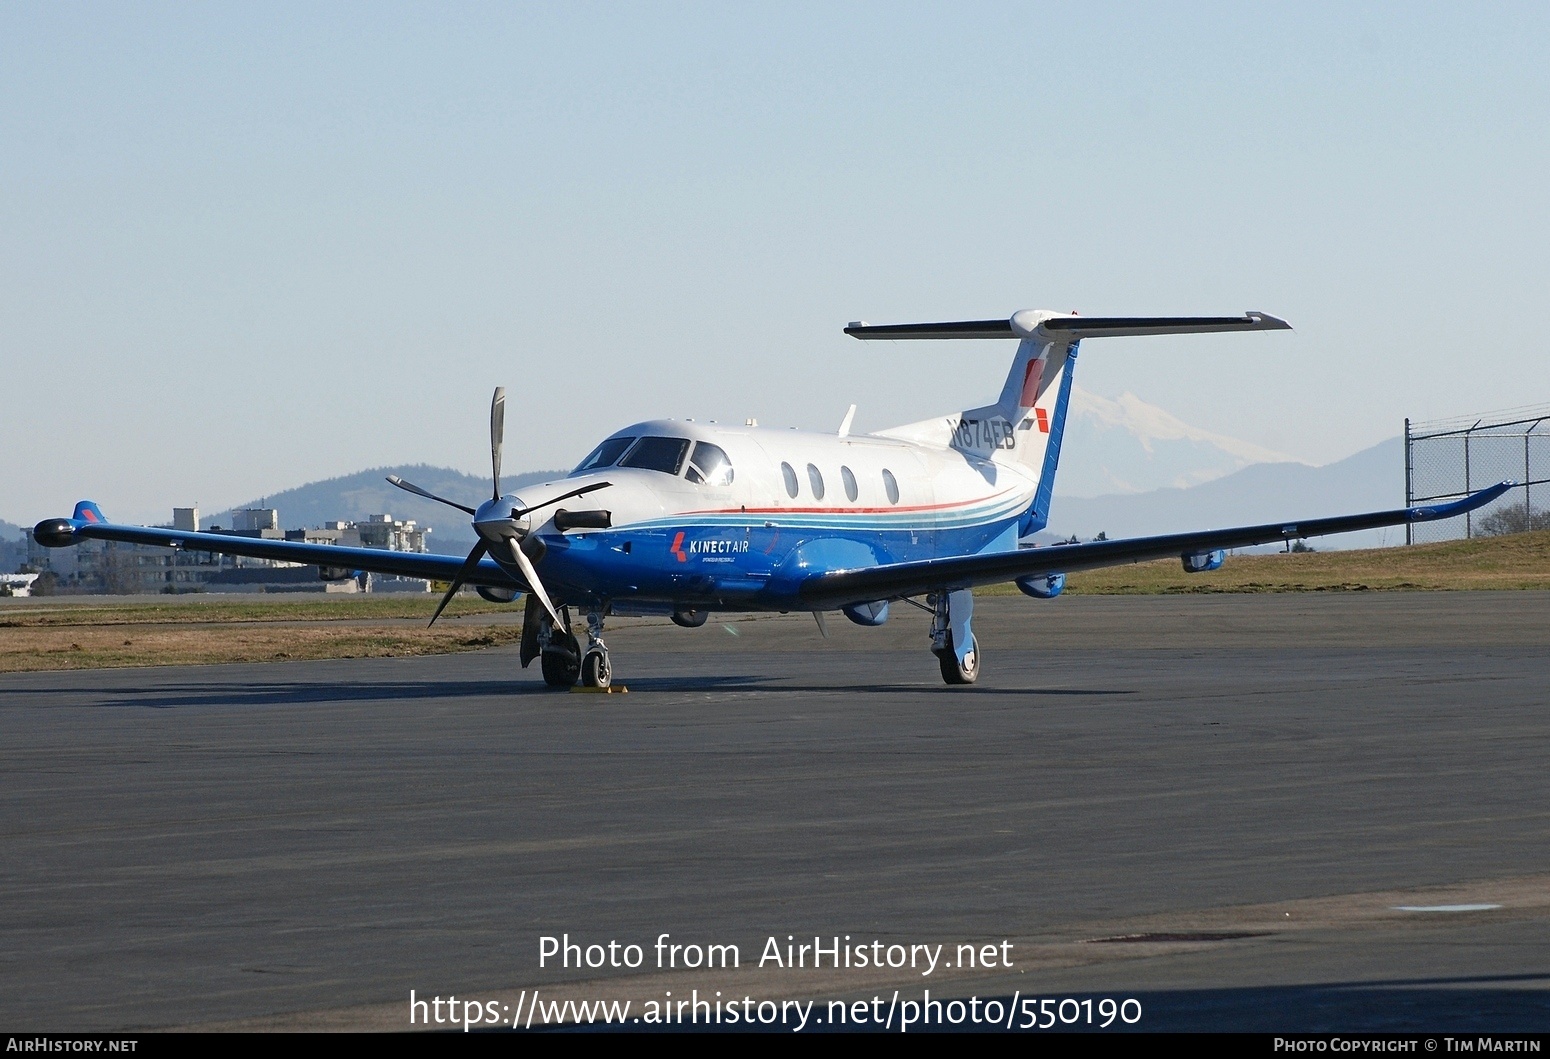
pixel 845 423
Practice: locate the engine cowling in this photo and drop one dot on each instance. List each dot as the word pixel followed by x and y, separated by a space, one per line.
pixel 1045 586
pixel 496 595
pixel 1200 562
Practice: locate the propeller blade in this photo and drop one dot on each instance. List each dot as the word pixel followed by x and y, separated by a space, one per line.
pixel 480 547
pixel 594 487
pixel 531 576
pixel 410 487
pixel 823 626
pixel 497 434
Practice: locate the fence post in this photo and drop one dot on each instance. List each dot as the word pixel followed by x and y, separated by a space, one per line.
pixel 1528 476
pixel 1468 529
pixel 1409 482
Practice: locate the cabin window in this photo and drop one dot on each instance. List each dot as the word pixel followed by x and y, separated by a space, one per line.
pixel 851 492
pixel 891 486
pixel 709 465
pixel 791 480
pixel 815 479
pixel 604 455
pixel 657 454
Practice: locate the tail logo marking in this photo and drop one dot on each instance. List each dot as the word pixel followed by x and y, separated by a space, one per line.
pixel 1043 420
pixel 1031 377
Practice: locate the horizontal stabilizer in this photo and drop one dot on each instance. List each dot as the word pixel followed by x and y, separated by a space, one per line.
pixel 1121 326
pixel 960 329
pixel 1024 324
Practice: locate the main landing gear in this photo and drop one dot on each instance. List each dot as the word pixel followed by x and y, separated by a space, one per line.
pixel 561 657
pixel 952 641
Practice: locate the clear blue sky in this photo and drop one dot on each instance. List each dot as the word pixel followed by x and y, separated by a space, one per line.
pixel 247 246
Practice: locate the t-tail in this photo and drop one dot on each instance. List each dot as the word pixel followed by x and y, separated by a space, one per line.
pixel 1022 430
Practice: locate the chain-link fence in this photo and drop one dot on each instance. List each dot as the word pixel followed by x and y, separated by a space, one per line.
pixel 1448 458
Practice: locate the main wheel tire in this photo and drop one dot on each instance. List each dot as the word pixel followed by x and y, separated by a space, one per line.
pixel 563 668
pixel 596 672
pixel 952 671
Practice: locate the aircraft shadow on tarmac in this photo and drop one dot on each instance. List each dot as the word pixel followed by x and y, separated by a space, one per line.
pixel 274 693
pixel 984 692
pixel 175 696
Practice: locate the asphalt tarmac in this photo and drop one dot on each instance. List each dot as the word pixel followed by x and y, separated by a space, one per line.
pixel 1214 805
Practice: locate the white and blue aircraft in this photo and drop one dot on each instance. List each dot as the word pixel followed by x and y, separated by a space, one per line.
pixel 685 519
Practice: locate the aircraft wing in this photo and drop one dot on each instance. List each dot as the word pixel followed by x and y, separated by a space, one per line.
pixel 842 587
pixel 88 524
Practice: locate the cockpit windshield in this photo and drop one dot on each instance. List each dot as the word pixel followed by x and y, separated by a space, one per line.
pixel 603 456
pixel 657 454
pixel 709 465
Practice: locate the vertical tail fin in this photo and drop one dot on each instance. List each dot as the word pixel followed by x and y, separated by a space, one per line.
pixel 1034 400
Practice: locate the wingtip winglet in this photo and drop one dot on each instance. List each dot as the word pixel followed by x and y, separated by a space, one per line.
pixel 1472 502
pixel 88 511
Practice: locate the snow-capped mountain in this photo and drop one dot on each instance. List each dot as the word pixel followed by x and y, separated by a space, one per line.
pixel 1125 445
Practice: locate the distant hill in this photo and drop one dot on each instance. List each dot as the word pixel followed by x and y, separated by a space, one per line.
pixel 355 496
pixel 10 530
pixel 1371 480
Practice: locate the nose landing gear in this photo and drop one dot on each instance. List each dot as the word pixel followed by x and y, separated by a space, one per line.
pixel 596 670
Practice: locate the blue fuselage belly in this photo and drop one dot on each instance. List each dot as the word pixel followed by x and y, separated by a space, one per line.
pixel 754 566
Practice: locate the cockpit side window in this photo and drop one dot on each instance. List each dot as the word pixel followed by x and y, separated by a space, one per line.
pixel 657 454
pixel 603 456
pixel 709 465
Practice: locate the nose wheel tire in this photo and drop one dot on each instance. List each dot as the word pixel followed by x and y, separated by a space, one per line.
pixel 954 672
pixel 562 667
pixel 596 672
